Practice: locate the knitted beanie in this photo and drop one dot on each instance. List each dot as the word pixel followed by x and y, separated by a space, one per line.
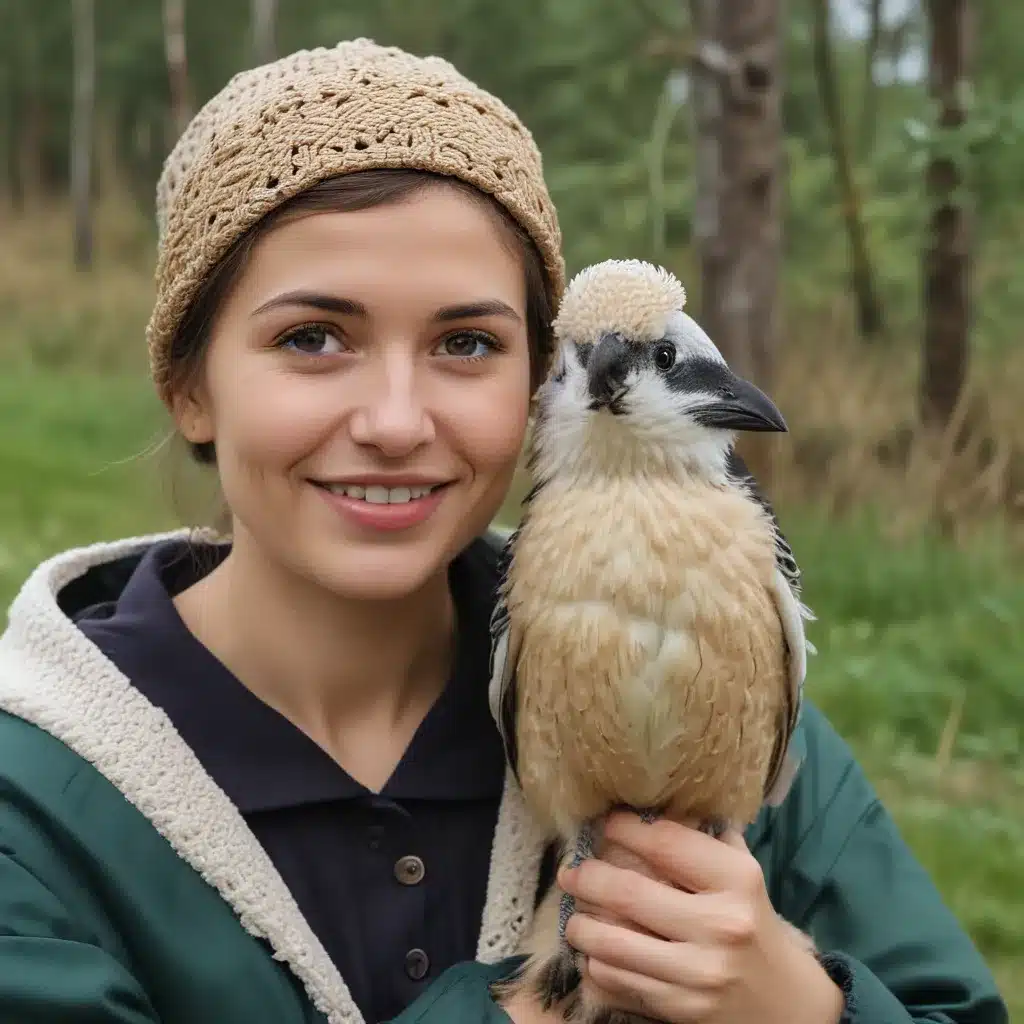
pixel 276 130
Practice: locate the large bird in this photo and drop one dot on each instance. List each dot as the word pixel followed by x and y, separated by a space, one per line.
pixel 648 641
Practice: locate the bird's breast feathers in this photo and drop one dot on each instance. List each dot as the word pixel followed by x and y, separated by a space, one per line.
pixel 650 653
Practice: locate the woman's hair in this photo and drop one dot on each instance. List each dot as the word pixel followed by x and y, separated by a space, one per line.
pixel 359 190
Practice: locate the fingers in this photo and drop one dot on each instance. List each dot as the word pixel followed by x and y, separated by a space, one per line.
pixel 648 997
pixel 673 962
pixel 687 858
pixel 658 908
pixel 623 894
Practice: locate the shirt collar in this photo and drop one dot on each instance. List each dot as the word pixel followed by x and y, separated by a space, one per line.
pixel 259 758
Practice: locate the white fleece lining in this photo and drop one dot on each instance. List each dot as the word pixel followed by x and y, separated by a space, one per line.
pixel 54 677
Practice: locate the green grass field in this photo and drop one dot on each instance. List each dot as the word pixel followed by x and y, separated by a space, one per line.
pixel 920 646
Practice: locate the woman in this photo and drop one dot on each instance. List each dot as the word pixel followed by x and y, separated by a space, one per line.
pixel 233 774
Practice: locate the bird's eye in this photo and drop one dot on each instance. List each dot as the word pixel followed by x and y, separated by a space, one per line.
pixel 665 356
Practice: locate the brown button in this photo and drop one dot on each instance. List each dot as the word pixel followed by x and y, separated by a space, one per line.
pixel 409 870
pixel 417 963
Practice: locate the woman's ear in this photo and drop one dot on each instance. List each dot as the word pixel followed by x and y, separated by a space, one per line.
pixel 191 413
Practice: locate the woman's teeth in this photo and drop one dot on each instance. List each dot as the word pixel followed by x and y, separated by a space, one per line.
pixel 376 495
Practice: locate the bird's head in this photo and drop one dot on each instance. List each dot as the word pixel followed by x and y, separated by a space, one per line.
pixel 637 384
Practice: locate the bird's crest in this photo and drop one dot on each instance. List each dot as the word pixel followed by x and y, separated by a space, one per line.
pixel 630 297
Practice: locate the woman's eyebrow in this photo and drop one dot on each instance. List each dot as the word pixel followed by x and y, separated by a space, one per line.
pixel 470 310
pixel 314 300
pixel 350 307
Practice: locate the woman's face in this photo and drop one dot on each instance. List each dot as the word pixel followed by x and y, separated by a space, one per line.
pixel 367 388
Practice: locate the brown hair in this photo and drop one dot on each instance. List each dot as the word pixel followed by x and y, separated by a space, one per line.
pixel 358 190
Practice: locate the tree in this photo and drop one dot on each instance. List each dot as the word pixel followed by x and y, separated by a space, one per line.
pixel 869 310
pixel 177 65
pixel 264 35
pixel 736 74
pixel 947 253
pixel 869 104
pixel 82 117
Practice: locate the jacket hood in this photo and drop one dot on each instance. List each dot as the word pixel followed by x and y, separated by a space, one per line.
pixel 52 676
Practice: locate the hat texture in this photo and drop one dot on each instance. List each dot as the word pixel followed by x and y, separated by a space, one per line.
pixel 276 130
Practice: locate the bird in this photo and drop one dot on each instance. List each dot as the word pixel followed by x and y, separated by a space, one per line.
pixel 648 648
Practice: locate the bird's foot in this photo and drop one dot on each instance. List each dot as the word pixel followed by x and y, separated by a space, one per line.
pixel 567 905
pixel 557 981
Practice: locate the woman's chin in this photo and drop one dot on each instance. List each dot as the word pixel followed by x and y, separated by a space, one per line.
pixel 381 572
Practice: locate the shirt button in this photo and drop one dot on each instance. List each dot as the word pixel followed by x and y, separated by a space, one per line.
pixel 409 870
pixel 417 963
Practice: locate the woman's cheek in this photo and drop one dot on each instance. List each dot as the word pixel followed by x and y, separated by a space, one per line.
pixel 493 424
pixel 280 423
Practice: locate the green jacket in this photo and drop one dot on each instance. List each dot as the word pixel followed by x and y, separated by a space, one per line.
pixel 132 892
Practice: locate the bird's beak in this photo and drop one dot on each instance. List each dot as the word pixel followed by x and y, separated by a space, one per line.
pixel 747 408
pixel 606 370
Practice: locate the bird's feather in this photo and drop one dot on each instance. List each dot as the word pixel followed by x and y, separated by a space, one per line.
pixel 504 655
pixel 787 592
pixel 740 474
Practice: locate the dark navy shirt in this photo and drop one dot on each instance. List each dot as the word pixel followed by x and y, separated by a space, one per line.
pixel 393 883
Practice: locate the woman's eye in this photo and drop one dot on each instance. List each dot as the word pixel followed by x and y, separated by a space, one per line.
pixel 468 345
pixel 312 340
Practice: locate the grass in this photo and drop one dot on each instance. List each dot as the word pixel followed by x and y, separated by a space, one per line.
pixel 912 562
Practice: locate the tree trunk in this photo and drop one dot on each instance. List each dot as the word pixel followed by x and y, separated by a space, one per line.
pixel 9 99
pixel 947 254
pixel 82 116
pixel 869 310
pixel 736 74
pixel 30 116
pixel 264 26
pixel 869 105
pixel 177 65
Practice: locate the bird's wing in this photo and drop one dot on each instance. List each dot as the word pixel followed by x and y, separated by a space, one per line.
pixel 786 591
pixel 504 656
pixel 784 557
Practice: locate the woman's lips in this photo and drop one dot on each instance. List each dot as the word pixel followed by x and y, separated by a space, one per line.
pixel 376 514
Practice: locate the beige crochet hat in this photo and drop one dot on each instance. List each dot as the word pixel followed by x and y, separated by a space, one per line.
pixel 276 130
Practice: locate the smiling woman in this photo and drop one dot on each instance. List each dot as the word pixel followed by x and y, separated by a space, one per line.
pixel 359 368
pixel 348 331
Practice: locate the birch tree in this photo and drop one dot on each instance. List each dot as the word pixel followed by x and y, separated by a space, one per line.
pixel 177 65
pixel 264 34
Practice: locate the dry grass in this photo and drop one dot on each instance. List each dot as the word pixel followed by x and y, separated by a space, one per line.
pixel 56 318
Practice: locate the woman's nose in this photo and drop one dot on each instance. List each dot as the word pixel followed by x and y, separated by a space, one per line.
pixel 390 414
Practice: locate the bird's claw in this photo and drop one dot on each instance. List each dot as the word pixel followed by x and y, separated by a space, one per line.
pixel 567 904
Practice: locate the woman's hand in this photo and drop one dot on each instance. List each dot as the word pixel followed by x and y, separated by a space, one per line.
pixel 704 945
